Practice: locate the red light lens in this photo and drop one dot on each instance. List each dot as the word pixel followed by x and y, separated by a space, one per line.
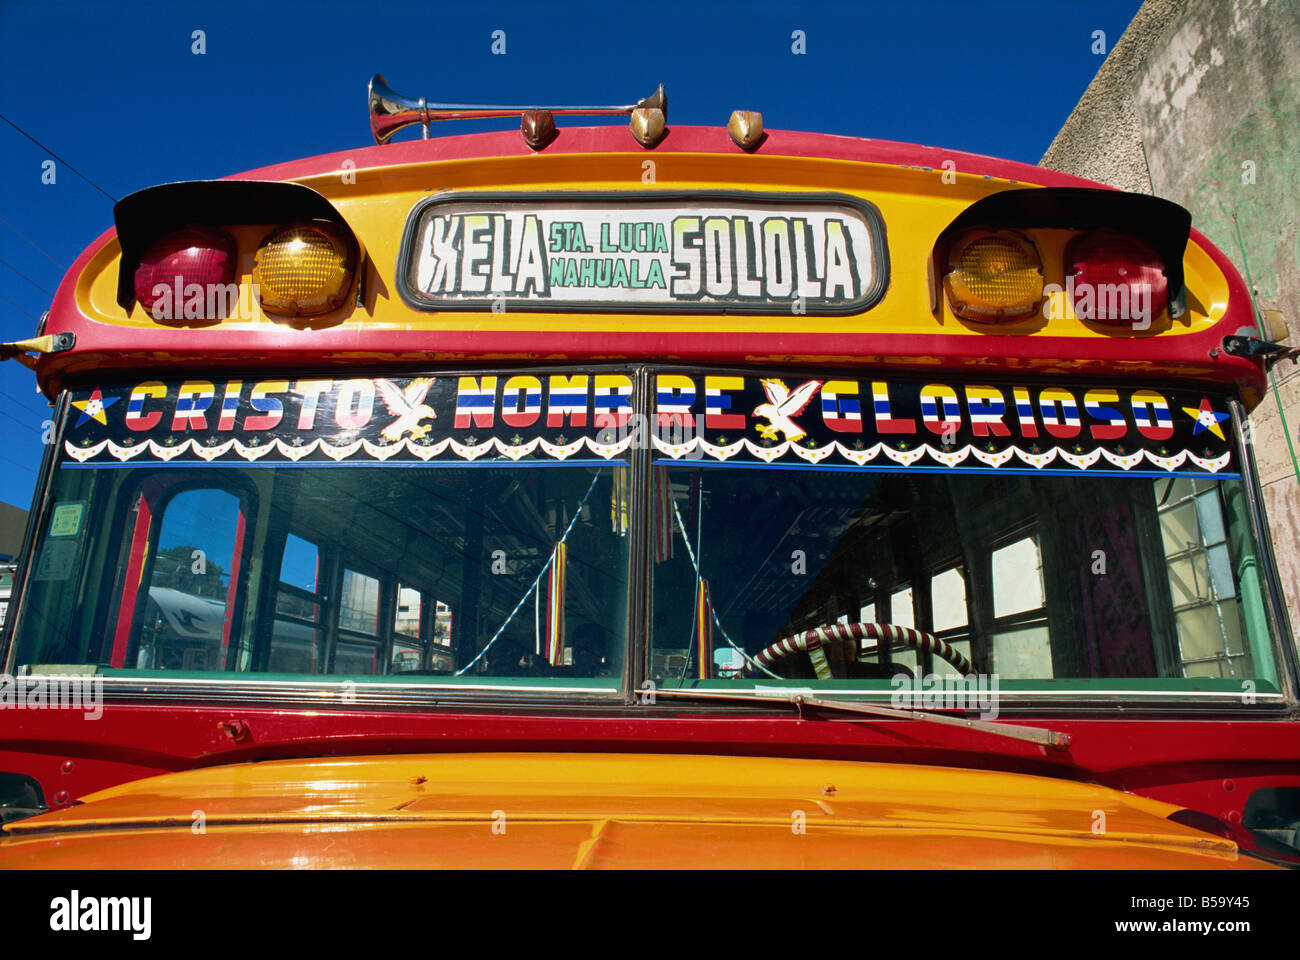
pixel 1116 279
pixel 194 255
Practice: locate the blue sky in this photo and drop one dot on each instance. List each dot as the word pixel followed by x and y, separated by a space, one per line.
pixel 115 90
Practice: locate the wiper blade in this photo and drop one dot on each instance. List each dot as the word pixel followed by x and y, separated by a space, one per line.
pixel 1051 739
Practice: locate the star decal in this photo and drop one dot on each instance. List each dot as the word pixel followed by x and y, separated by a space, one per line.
pixel 93 407
pixel 1206 419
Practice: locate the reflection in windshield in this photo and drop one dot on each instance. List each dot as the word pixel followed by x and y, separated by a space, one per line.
pixel 446 572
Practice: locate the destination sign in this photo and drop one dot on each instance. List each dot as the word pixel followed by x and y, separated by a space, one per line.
pixel 713 252
pixel 720 418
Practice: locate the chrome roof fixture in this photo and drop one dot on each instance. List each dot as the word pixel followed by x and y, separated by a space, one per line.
pixel 746 129
pixel 390 112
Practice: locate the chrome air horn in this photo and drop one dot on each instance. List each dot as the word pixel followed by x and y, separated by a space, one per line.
pixel 390 112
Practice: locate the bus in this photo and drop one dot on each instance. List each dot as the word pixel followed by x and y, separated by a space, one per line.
pixel 648 496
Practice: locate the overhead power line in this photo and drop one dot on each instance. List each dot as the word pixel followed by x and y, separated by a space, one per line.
pixel 58 158
pixel 32 242
pixel 15 419
pixel 27 278
pixel 20 308
pixel 45 414
pixel 21 466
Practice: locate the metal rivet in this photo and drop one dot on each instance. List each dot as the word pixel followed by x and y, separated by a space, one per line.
pixel 828 789
pixel 1229 786
pixel 67 766
pixel 1234 816
pixel 61 797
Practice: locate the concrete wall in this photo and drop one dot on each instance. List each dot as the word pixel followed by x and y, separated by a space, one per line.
pixel 13 523
pixel 1199 101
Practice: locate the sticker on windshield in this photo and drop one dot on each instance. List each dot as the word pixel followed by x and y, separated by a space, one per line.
pixel 65 519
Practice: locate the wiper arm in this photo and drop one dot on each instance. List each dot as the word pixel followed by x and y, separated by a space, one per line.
pixel 1051 739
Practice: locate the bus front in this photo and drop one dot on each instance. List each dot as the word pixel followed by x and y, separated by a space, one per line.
pixel 922 491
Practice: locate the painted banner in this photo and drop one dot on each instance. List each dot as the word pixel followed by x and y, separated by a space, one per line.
pixel 710 418
pixel 719 251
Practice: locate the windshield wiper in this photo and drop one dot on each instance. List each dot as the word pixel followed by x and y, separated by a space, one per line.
pixel 1051 739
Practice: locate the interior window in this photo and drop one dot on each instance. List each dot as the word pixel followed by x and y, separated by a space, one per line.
pixel 408 631
pixel 948 600
pixel 297 634
pixel 1017 578
pixel 900 608
pixel 300 565
pixel 360 604
pixel 358 648
pixel 949 613
pixel 1021 640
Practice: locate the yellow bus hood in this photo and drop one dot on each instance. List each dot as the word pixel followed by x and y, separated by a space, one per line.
pixel 608 810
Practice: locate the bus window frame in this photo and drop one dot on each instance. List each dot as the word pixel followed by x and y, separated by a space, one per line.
pixel 381 639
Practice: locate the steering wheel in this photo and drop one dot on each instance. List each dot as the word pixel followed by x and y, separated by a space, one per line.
pixel 866 635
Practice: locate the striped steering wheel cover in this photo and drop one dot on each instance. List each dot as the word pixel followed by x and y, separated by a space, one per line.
pixel 811 641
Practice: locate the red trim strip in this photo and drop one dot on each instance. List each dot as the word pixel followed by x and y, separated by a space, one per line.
pixel 232 591
pixel 134 575
pixel 679 139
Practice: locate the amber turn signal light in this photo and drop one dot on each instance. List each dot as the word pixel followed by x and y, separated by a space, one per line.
pixel 304 270
pixel 993 276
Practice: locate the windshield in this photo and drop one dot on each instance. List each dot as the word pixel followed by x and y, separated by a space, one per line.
pixel 337 530
pixel 888 535
pixel 479 531
pixel 1031 579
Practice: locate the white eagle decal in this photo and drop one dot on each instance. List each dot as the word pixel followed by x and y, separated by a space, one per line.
pixel 783 406
pixel 409 408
